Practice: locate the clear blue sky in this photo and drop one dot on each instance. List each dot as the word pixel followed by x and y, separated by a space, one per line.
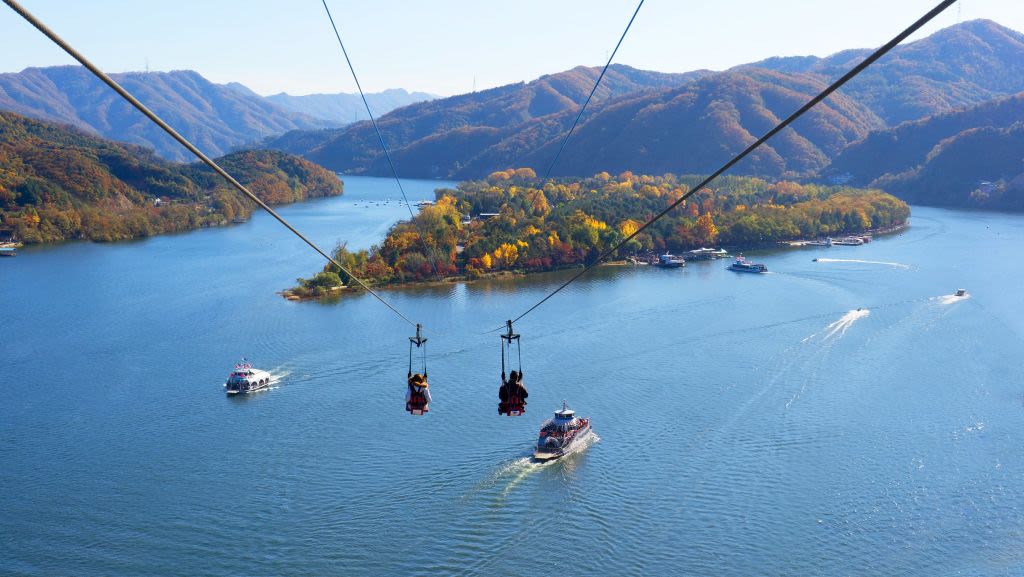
pixel 439 46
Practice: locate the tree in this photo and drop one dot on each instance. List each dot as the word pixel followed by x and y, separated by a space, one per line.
pixel 705 229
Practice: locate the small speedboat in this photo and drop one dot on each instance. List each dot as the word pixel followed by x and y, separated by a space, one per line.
pixel 245 379
pixel 960 292
pixel 562 435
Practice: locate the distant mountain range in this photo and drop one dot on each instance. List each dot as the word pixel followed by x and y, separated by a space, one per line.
pixel 217 118
pixel 887 126
pixel 347 108
pixel 656 123
pixel 451 131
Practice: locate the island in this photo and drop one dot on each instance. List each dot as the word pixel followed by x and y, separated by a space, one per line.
pixel 514 223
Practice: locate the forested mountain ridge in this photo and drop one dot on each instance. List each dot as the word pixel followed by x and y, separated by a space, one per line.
pixel 58 183
pixel 692 128
pixel 696 128
pixel 469 136
pixel 495 110
pixel 216 118
pixel 904 147
pixel 956 67
pixel 972 157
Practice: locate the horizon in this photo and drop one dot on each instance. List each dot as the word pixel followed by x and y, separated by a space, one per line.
pixel 274 72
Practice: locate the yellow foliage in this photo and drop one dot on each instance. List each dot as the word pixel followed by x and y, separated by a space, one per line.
pixel 629 226
pixel 487 260
pixel 507 254
pixel 553 239
pixel 531 230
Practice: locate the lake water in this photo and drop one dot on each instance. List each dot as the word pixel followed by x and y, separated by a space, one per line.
pixel 748 424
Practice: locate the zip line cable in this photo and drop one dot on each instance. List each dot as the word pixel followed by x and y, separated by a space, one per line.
pixel 810 104
pixel 184 142
pixel 376 129
pixel 592 91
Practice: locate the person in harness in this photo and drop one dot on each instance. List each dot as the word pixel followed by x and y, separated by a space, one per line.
pixel 417 397
pixel 512 395
pixel 417 394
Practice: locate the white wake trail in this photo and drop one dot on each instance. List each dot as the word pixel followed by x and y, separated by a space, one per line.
pixel 881 262
pixel 950 299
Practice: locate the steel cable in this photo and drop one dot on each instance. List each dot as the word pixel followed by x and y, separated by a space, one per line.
pixel 184 142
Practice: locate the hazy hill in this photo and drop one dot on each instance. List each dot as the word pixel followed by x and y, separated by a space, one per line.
pixel 344 108
pixel 216 118
pixel 58 183
pixel 958 66
pixel 354 147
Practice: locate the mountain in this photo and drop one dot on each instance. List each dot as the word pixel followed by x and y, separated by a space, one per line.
pixel 693 128
pixel 57 183
pixel 971 157
pixel 216 118
pixel 496 109
pixel 907 146
pixel 958 66
pixel 652 123
pixel 345 108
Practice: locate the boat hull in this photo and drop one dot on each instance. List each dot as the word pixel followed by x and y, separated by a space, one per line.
pixel 578 442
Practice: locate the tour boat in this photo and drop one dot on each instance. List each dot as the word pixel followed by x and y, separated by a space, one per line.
pixel 671 261
pixel 562 435
pixel 743 265
pixel 245 379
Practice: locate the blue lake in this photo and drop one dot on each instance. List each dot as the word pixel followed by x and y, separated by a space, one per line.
pixel 748 424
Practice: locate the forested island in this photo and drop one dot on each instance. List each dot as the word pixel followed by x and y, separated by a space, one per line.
pixel 58 183
pixel 513 221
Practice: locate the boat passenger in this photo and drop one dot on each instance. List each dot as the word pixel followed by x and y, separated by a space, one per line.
pixel 512 394
pixel 417 397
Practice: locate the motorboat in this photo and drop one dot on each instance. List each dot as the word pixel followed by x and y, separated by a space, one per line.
pixel 561 435
pixel 671 261
pixel 743 265
pixel 960 292
pixel 245 379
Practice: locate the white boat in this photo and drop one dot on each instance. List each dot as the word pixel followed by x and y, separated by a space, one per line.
pixel 245 379
pixel 743 265
pixel 671 261
pixel 563 435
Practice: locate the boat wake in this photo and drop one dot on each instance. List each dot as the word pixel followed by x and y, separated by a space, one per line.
pixel 838 328
pixel 950 299
pixel 514 472
pixel 892 264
